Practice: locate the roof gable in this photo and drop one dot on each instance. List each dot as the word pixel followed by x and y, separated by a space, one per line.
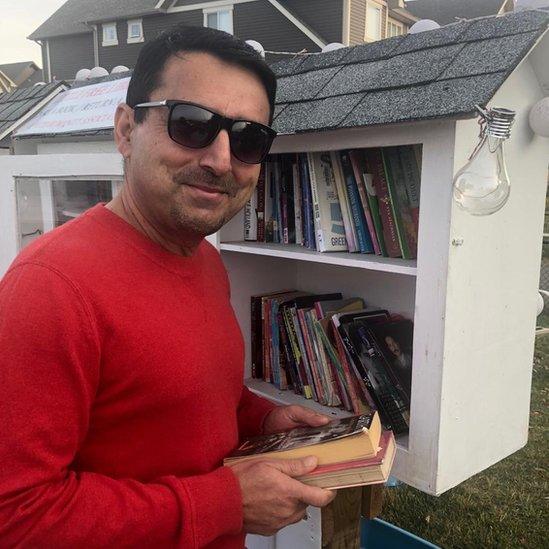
pixel 71 17
pixel 434 74
pixel 445 12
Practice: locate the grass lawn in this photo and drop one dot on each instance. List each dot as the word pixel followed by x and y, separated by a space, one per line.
pixel 503 507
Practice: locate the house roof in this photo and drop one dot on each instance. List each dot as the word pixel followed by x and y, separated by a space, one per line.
pixel 441 73
pixel 15 105
pixel 451 11
pixel 13 70
pixel 72 16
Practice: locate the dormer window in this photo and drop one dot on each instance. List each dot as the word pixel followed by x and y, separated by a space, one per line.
pixel 135 31
pixel 374 18
pixel 220 18
pixel 110 37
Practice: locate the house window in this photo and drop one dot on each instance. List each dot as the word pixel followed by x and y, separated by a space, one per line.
pixel 374 17
pixel 219 18
pixel 135 31
pixel 110 38
pixel 394 28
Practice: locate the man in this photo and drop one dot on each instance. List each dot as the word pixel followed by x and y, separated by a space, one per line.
pixel 121 360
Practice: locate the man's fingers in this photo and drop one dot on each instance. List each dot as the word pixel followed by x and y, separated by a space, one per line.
pixel 306 416
pixel 294 467
pixel 317 497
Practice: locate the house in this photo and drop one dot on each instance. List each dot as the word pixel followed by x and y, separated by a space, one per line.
pixel 108 33
pixel 6 83
pixel 451 11
pixel 24 74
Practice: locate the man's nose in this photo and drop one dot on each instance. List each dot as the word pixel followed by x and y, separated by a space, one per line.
pixel 216 157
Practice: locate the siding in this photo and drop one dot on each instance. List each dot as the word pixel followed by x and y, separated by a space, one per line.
pixel 323 17
pixel 262 22
pixel 126 54
pixel 358 22
pixel 69 54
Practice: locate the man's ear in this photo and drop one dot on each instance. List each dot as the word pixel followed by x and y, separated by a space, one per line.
pixel 124 124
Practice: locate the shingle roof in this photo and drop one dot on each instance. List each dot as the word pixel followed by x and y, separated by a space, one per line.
pixel 450 11
pixel 434 74
pixel 13 70
pixel 16 104
pixel 71 17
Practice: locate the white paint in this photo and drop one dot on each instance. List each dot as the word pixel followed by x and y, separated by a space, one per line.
pixel 86 108
pixel 44 168
pixel 48 59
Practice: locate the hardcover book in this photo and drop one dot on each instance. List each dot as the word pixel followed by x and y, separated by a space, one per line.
pixel 358 472
pixel 345 439
pixel 328 222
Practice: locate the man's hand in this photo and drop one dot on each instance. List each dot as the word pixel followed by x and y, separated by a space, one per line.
pixel 284 418
pixel 271 498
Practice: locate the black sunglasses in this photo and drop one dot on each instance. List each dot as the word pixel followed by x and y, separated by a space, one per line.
pixel 196 127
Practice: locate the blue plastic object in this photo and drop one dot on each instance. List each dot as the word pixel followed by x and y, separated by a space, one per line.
pixel 378 534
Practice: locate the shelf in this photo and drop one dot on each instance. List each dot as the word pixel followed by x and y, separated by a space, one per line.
pixel 270 392
pixel 345 259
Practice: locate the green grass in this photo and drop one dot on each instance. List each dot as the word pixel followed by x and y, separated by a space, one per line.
pixel 503 507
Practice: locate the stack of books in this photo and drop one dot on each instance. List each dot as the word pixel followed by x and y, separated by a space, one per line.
pixel 352 451
pixel 361 200
pixel 335 351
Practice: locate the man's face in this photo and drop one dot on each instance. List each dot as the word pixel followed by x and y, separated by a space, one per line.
pixel 187 191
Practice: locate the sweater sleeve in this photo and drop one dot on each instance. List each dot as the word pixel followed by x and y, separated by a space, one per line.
pixel 49 373
pixel 252 412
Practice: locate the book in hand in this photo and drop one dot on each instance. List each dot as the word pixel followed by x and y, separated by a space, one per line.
pixel 346 439
pixel 358 472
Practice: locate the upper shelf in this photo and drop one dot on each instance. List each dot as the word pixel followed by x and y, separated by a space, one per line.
pixel 294 251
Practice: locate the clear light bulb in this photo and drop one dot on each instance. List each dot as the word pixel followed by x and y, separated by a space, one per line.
pixel 482 186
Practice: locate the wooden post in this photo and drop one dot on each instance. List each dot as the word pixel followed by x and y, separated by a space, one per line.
pixel 341 519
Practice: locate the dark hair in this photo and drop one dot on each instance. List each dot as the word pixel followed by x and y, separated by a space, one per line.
pixel 147 73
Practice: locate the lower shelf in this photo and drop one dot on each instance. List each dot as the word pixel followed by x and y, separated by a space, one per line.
pixel 270 392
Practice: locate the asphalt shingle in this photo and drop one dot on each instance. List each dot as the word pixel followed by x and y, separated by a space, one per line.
pixel 297 88
pixel 435 100
pixel 434 74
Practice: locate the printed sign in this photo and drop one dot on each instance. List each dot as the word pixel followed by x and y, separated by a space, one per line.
pixel 80 109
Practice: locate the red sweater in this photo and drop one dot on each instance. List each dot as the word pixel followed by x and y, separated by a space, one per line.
pixel 121 370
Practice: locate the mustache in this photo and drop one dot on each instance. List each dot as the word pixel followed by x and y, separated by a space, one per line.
pixel 197 176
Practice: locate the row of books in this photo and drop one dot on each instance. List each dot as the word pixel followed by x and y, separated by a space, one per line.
pixel 335 351
pixel 352 451
pixel 361 200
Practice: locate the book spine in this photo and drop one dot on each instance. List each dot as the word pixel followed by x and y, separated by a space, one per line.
pixel 265 315
pixel 256 337
pixel 320 364
pixel 303 354
pixel 309 358
pixel 348 227
pixel 308 217
pixel 277 214
pixel 261 204
pixel 412 180
pixel 297 203
pixel 329 226
pixel 291 367
pixel 285 234
pixel 290 204
pixel 394 184
pixel 274 343
pixel 360 178
pixel 294 343
pixel 375 162
pixel 359 219
pixel 346 372
pixel 250 218
pixel 269 192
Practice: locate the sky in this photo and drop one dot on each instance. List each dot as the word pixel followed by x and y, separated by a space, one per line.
pixel 19 18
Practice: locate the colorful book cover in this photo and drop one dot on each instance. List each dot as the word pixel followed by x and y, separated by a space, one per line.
pixel 350 232
pixel 357 212
pixel 368 198
pixel 390 237
pixel 328 221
